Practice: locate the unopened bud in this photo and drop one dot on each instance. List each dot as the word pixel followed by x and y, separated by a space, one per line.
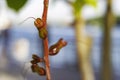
pixel 38 23
pixel 39 70
pixel 33 67
pixel 54 49
pixel 43 33
pixel 36 59
pixel 34 62
pixel 34 56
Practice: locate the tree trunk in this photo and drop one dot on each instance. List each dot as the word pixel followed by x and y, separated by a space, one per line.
pixel 83 43
pixel 106 56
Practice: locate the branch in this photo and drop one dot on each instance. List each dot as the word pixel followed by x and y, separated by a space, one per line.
pixel 45 41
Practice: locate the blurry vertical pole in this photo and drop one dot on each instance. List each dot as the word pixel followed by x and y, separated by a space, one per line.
pixel 106 73
pixel 83 44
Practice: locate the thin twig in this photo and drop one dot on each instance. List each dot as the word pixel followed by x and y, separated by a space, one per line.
pixel 45 41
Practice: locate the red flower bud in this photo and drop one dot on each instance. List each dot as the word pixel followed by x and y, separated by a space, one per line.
pixel 38 23
pixel 39 70
pixel 34 56
pixel 41 29
pixel 54 49
pixel 34 62
pixel 33 67
pixel 36 59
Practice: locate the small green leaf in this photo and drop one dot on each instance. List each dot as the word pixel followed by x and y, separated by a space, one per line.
pixel 16 4
pixel 91 2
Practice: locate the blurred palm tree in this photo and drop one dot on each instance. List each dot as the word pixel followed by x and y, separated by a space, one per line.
pixel 83 41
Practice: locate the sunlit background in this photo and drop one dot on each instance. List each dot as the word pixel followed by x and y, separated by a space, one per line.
pixel 18 41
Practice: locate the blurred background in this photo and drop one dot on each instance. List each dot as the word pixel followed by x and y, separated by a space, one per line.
pixel 91 28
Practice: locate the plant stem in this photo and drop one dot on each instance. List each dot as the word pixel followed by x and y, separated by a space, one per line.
pixel 44 16
pixel 45 41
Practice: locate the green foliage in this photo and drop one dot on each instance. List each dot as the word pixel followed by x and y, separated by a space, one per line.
pixel 91 2
pixel 16 4
pixel 77 5
pixel 96 21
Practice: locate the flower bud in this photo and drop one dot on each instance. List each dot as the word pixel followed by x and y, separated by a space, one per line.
pixel 38 23
pixel 34 62
pixel 39 70
pixel 33 67
pixel 34 56
pixel 36 59
pixel 43 33
pixel 54 49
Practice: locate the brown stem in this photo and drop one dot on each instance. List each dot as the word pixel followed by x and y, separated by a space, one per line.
pixel 44 16
pixel 45 41
pixel 46 51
